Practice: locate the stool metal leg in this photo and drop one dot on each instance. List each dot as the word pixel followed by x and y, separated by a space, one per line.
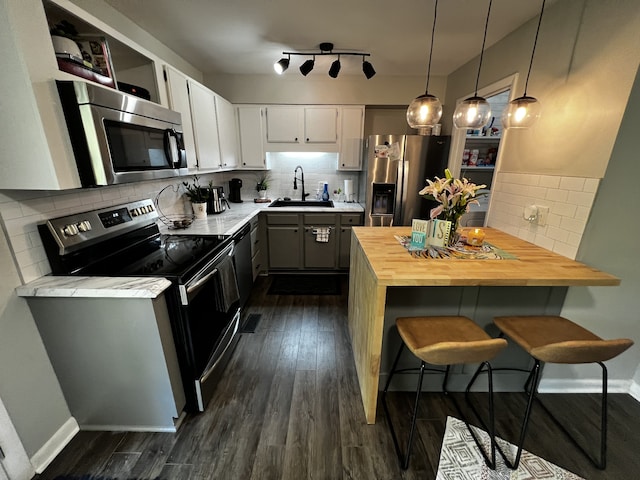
pixel 404 459
pixel 600 463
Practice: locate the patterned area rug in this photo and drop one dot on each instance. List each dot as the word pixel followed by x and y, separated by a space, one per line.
pixel 461 460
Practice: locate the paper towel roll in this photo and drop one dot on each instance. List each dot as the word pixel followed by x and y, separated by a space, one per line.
pixel 348 190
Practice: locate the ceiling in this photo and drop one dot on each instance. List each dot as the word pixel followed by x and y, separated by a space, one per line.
pixel 248 36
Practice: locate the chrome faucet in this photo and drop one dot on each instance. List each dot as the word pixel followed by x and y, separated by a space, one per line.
pixel 295 181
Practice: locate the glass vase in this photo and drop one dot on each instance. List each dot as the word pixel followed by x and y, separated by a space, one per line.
pixel 454 235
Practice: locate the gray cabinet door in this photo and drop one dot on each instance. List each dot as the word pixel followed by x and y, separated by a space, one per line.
pixel 345 246
pixel 319 254
pixel 284 247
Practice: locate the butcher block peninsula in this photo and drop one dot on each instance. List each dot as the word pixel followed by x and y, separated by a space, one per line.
pixel 387 281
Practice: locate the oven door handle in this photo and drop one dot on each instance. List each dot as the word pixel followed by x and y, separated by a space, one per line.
pixel 201 282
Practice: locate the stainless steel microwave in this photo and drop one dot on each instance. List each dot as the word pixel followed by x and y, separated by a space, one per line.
pixel 120 138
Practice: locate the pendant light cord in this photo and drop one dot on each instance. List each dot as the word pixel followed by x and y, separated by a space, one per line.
pixel 484 39
pixel 526 84
pixel 433 32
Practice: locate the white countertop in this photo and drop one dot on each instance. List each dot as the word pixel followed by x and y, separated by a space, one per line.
pixel 225 223
pixel 232 219
pixel 94 287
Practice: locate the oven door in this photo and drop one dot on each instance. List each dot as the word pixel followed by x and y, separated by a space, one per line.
pixel 211 320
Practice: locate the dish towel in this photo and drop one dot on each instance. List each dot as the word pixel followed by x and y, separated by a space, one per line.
pixel 322 234
pixel 227 286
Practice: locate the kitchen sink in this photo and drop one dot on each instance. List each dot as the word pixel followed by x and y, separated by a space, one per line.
pixel 300 203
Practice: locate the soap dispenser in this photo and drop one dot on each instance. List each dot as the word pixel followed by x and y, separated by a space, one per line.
pixel 325 192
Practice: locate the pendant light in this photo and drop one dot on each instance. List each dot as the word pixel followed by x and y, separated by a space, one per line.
pixel 474 112
pixel 425 111
pixel 523 111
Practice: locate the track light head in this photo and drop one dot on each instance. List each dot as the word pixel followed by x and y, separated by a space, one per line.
pixel 307 66
pixel 281 66
pixel 368 70
pixel 335 68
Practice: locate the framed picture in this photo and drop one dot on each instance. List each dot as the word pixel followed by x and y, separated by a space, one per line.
pixel 96 55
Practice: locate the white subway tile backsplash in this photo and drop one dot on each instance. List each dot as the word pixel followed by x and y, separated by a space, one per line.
pixel 550 182
pixel 572 183
pixel 584 199
pixel 564 209
pixel 572 225
pixel 591 185
pixel 569 200
pixel 557 195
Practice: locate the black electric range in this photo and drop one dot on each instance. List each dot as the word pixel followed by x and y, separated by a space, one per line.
pixel 203 301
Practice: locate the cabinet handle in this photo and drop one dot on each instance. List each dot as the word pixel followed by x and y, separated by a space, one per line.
pixel 296 139
pixel 307 140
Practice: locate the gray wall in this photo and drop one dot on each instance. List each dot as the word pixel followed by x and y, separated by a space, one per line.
pixel 28 385
pixel 610 243
pixel 586 49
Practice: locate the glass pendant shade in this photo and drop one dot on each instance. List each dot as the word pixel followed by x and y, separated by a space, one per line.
pixel 472 113
pixel 424 111
pixel 521 112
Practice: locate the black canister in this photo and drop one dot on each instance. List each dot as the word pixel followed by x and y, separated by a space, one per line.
pixel 235 184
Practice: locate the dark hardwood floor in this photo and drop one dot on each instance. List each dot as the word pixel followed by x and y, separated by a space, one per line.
pixel 289 407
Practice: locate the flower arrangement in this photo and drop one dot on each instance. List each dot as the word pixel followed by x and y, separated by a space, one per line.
pixel 454 196
pixel 195 192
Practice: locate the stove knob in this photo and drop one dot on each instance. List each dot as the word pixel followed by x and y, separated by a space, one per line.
pixel 84 226
pixel 70 230
pixel 151 209
pixel 135 212
pixel 145 209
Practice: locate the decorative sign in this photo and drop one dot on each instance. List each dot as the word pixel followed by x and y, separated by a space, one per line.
pixel 426 233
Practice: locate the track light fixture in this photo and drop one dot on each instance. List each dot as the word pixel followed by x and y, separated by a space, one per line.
pixel 523 111
pixel 326 48
pixel 425 111
pixel 474 112
pixel 307 66
pixel 367 69
pixel 335 68
pixel 281 65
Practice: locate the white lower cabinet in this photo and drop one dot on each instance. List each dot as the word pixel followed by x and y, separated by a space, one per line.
pixel 124 373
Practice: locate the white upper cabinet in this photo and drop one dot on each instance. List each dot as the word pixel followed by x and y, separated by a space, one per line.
pixel 284 124
pixel 205 126
pixel 320 125
pixel 250 135
pixel 208 121
pixel 178 95
pixel 227 133
pixel 351 136
pixel 301 128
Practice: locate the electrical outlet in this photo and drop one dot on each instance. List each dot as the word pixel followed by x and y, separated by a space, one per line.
pixel 543 215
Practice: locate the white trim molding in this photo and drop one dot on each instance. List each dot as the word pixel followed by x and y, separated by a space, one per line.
pixel 45 455
pixel 586 386
pixel 634 390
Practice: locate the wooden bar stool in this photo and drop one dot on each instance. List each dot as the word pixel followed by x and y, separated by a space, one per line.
pixel 444 341
pixel 553 339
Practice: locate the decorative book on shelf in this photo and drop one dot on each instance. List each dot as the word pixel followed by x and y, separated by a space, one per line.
pixel 425 233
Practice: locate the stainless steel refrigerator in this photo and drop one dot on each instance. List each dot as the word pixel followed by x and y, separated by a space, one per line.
pixel 397 167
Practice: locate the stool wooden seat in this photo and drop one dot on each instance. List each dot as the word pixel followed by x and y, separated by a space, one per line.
pixel 444 341
pixel 555 339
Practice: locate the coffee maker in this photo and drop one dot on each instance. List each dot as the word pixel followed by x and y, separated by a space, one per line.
pixel 216 202
pixel 235 184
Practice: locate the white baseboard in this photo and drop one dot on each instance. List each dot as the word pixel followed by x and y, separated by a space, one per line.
pixel 555 385
pixel 634 390
pixel 45 455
